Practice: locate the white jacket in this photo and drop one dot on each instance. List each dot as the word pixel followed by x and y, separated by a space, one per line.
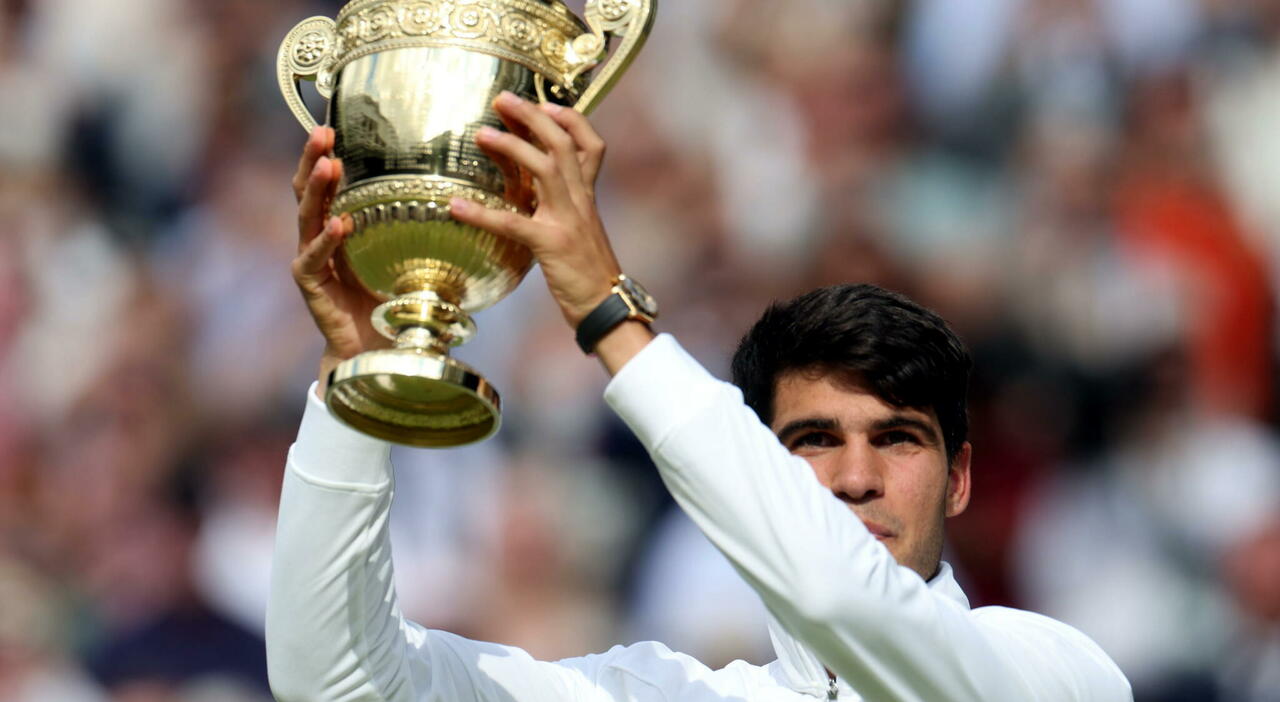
pixel 839 600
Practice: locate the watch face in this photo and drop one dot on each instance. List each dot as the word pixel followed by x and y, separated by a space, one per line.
pixel 640 296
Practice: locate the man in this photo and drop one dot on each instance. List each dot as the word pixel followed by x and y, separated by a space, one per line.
pixel 863 385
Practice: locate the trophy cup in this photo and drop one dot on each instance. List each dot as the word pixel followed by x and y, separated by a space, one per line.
pixel 408 84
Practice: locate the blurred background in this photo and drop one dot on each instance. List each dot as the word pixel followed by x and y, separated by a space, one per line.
pixel 1089 190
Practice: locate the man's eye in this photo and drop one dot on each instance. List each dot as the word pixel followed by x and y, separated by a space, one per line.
pixel 815 438
pixel 898 437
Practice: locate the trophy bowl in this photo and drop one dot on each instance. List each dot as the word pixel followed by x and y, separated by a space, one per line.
pixel 408 85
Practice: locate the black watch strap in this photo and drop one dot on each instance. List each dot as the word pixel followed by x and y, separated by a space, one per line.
pixel 607 315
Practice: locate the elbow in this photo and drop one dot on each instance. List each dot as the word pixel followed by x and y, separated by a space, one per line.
pixel 284 689
pixel 285 675
pixel 313 666
pixel 291 665
pixel 293 677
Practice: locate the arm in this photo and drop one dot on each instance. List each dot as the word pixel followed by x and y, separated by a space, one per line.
pixel 334 628
pixel 816 566
pixel 332 609
pixel 818 569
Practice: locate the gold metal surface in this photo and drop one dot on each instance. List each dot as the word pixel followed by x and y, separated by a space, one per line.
pixel 306 54
pixel 414 397
pixel 532 33
pixel 630 20
pixel 409 83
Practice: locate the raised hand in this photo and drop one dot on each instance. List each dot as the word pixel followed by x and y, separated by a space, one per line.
pixel 339 305
pixel 563 153
pixel 565 232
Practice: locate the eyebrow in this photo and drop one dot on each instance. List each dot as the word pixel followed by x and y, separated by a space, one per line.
pixel 808 423
pixel 902 421
pixel 896 421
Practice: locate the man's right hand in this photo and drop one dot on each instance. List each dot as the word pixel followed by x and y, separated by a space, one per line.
pixel 341 308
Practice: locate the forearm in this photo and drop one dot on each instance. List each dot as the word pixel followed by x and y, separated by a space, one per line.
pixel 333 628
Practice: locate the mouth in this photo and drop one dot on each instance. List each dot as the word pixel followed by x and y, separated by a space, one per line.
pixel 880 532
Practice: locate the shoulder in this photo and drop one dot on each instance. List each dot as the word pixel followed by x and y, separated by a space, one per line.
pixel 652 671
pixel 1051 654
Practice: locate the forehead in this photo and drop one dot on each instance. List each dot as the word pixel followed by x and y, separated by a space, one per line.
pixel 820 393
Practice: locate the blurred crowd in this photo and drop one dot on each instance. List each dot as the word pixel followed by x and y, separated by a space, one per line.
pixel 1086 189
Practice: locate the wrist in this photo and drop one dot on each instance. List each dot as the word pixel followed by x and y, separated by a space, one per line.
pixel 623 343
pixel 584 304
pixel 575 314
pixel 327 363
pixel 626 302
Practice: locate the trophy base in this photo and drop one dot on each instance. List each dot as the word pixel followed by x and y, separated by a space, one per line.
pixel 414 397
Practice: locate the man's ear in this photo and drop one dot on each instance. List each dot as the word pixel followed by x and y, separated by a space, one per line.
pixel 958 482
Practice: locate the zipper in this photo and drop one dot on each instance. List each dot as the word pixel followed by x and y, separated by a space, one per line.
pixel 832 691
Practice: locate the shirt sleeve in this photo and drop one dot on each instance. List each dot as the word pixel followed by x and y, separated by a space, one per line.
pixel 822 574
pixel 334 628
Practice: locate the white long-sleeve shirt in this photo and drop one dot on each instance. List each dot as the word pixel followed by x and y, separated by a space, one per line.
pixel 838 598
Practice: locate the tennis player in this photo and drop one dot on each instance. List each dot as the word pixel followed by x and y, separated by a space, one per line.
pixel 825 475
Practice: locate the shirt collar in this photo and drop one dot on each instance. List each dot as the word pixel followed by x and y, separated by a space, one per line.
pixel 799 669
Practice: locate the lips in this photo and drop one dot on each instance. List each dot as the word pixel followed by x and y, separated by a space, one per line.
pixel 877 530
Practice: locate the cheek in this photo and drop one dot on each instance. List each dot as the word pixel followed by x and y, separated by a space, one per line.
pixel 919 493
pixel 822 468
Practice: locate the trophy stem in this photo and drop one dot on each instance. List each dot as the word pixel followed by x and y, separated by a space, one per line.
pixel 421 338
pixel 414 393
pixel 423 320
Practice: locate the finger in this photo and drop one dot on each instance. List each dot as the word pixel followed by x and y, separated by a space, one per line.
pixel 315 256
pixel 319 143
pixel 551 135
pixel 516 127
pixel 313 207
pixel 335 181
pixel 341 265
pixel 544 167
pixel 590 145
pixel 501 222
pixel 518 185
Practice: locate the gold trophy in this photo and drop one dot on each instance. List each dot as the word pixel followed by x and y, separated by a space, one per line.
pixel 408 84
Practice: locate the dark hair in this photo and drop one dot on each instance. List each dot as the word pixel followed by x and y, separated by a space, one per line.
pixel 904 353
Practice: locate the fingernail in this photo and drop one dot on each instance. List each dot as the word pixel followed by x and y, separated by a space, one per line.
pixel 487 133
pixel 507 97
pixel 459 205
pixel 322 165
pixel 552 108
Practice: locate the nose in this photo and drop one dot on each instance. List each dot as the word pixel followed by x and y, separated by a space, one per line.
pixel 856 475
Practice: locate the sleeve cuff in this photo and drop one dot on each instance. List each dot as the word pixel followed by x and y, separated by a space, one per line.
pixel 329 452
pixel 658 388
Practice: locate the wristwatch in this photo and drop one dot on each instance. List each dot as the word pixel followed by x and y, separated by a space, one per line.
pixel 628 300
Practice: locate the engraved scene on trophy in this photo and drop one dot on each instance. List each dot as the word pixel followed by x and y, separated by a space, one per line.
pixel 416 111
pixel 406 121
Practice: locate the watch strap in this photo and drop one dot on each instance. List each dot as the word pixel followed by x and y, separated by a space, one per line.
pixel 607 315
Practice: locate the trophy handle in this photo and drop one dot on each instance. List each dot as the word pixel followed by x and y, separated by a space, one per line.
pixel 307 53
pixel 631 20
